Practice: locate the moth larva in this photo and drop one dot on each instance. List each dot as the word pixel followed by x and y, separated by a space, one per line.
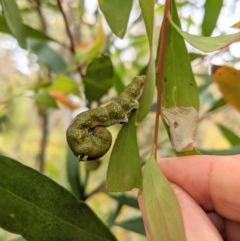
pixel 87 136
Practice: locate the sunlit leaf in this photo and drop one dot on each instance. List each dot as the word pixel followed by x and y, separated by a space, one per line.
pixel 98 78
pixel 64 84
pixel 124 169
pixel 228 81
pixel 31 202
pixel 207 44
pixel 162 208
pixel 212 10
pixel 14 20
pixel 87 51
pixel 147 8
pixel 116 14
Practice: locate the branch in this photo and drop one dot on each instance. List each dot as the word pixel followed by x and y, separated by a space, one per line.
pixel 163 38
pixel 70 36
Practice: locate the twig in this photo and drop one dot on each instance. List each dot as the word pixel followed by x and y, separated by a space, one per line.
pixel 40 14
pixel 163 38
pixel 43 117
pixel 70 36
pixel 43 143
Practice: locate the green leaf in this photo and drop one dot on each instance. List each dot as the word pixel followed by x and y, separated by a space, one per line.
pixel 133 224
pixel 212 11
pixel 147 8
pixel 14 20
pixel 124 169
pixel 30 203
pixel 180 97
pixel 229 135
pixel 29 32
pixel 216 105
pixel 207 44
pixel 162 208
pixel 46 55
pixel 126 200
pixel 44 100
pixel 179 86
pixel 146 99
pixel 64 84
pixel 116 14
pixel 98 78
pixel 73 175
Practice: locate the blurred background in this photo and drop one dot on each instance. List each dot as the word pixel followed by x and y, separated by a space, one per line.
pixel 41 89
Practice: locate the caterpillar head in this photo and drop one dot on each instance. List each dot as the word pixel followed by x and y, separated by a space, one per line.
pixel 89 144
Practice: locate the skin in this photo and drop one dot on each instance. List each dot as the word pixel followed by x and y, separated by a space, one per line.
pixel 208 191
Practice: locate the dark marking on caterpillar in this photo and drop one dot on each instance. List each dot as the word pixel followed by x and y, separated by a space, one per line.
pixel 87 135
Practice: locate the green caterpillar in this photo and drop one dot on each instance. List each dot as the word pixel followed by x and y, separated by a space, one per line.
pixel 87 136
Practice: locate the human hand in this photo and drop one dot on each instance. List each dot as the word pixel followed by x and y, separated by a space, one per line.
pixel 208 191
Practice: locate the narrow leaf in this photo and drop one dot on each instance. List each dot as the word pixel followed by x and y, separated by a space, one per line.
pixel 146 100
pixel 126 200
pixel 180 98
pixel 116 14
pixel 18 239
pixel 216 105
pixel 124 169
pixel 162 208
pixel 230 135
pixel 212 10
pixel 207 44
pixel 133 224
pixel 147 8
pixel 14 20
pixel 31 203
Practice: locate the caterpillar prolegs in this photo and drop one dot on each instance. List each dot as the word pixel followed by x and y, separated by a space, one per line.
pixel 87 135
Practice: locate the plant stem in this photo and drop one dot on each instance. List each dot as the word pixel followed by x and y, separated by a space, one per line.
pixel 163 38
pixel 40 14
pixel 43 143
pixel 70 36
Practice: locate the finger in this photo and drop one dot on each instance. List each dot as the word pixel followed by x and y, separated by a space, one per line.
pixel 197 225
pixel 213 181
pixel 228 229
pixel 232 230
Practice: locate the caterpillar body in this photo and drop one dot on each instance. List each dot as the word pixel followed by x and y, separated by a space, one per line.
pixel 87 135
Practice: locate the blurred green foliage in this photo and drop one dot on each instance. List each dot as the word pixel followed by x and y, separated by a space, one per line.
pixel 53 72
